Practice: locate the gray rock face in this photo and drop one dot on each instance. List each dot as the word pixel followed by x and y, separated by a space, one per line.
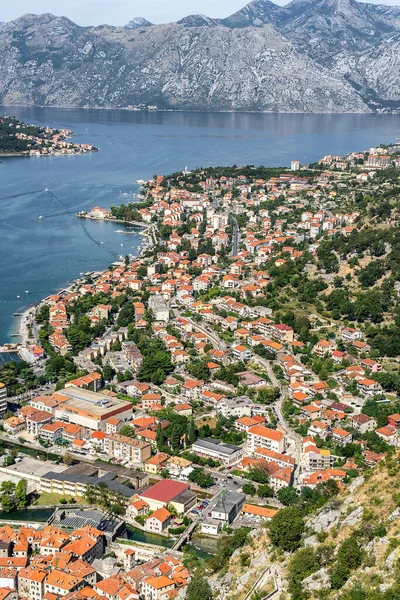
pixel 221 586
pixel 311 541
pixel 258 13
pixel 317 581
pixel 308 56
pixel 326 518
pixel 48 60
pixel 198 21
pixel 394 515
pixel 359 41
pixel 354 517
pixel 137 22
pixel 355 484
pixel 260 561
pixel 391 559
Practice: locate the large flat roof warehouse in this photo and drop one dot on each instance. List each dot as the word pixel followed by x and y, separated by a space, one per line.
pixel 87 403
pixel 165 490
pixel 33 466
pixel 216 445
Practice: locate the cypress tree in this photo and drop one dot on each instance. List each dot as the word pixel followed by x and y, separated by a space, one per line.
pixel 191 431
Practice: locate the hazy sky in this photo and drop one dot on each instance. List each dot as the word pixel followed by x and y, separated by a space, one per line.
pixel 119 12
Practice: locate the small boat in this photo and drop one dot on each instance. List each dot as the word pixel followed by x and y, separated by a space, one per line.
pixel 18 297
pixel 26 291
pixel 122 245
pixel 101 243
pixel 40 217
pixel 46 189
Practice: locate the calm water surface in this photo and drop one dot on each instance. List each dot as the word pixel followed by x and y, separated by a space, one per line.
pixel 36 515
pixel 41 255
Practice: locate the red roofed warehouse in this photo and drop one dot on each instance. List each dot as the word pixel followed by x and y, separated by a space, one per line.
pixel 166 492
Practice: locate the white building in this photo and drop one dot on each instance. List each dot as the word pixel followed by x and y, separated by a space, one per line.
pixel 228 454
pixel 210 526
pixel 295 165
pixel 159 308
pixel 264 437
pixel 3 400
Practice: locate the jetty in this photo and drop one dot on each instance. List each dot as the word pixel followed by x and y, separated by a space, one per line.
pixel 83 215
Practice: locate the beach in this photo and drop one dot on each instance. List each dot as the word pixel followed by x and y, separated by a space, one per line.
pixel 23 330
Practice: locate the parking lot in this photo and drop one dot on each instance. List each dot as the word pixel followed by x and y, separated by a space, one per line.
pixel 201 510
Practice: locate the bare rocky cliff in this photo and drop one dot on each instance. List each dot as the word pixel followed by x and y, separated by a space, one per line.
pixel 310 56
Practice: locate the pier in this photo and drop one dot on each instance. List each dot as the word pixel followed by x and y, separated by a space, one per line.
pixel 134 223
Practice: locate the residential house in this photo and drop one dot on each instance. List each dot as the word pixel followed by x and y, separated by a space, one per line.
pixel 323 347
pixel 158 521
pixel 341 436
pixel 35 422
pixel 362 423
pixel 122 446
pixel 259 436
pixel 157 588
pixel 156 463
pixel 369 386
pixel 241 353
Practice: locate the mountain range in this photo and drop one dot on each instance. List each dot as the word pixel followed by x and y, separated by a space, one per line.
pixel 307 56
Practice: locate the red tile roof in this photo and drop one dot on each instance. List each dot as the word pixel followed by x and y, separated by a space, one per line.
pixel 165 490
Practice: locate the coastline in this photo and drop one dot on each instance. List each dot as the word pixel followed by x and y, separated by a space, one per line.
pixel 37 140
pixel 14 154
pixel 133 223
pixel 28 155
pixel 27 316
pixel 26 319
pixel 197 110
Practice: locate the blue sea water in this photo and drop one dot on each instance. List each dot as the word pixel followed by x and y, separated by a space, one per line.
pixel 42 255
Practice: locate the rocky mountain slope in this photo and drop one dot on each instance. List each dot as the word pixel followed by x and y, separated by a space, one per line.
pixel 49 60
pixel 137 22
pixel 308 56
pixel 349 549
pixel 315 25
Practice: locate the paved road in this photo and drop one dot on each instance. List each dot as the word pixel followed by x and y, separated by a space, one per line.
pixel 294 437
pixel 235 237
pixel 212 336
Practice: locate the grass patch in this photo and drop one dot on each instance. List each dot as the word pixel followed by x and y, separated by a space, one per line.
pixel 206 420
pixel 49 499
